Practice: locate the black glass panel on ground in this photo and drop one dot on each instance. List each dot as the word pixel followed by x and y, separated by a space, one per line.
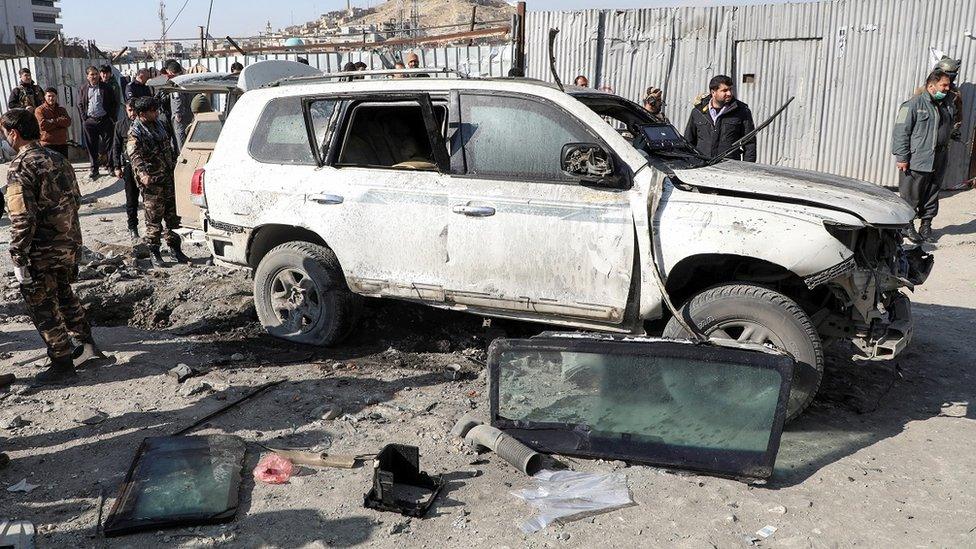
pixel 706 407
pixel 179 481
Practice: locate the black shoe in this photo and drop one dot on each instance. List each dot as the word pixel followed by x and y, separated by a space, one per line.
pixel 60 372
pixel 156 257
pixel 179 256
pixel 925 231
pixel 134 233
pixel 912 234
pixel 4 460
pixel 7 380
pixel 94 175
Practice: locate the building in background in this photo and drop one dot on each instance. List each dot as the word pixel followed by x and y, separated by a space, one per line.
pixel 36 21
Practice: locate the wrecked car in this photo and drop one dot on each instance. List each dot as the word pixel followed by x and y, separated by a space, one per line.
pixel 511 198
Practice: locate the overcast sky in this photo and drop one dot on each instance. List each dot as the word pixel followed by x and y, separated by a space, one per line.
pixel 112 23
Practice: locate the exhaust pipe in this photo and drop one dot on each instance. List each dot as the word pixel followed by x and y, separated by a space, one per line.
pixel 476 433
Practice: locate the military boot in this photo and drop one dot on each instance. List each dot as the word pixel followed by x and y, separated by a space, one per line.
pixel 925 231
pixel 61 371
pixel 134 234
pixel 178 255
pixel 156 257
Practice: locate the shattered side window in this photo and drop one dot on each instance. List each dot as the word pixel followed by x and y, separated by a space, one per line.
pixel 322 114
pixel 516 137
pixel 280 136
pixel 648 402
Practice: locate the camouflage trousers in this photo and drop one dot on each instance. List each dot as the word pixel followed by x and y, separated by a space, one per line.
pixel 159 200
pixel 55 310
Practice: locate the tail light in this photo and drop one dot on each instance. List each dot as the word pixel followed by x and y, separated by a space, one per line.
pixel 196 189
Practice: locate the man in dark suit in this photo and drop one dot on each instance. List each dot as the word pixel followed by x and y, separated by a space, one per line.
pixel 97 105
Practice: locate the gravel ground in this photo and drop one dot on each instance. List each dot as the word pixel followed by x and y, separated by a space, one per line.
pixel 883 458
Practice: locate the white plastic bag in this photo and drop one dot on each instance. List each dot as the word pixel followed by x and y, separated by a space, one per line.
pixel 562 494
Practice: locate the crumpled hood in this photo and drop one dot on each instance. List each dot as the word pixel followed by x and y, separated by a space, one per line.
pixel 873 204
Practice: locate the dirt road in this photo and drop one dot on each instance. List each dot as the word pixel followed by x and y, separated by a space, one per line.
pixel 884 458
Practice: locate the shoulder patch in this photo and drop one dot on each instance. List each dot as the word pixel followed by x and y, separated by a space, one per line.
pixel 15 200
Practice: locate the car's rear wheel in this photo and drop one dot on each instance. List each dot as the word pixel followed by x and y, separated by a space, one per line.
pixel 301 295
pixel 754 314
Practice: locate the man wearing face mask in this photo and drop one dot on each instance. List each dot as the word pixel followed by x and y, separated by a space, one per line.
pixel 951 67
pixel 920 143
pixel 718 120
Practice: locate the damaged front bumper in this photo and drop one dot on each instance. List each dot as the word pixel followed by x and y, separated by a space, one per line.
pixel 887 338
pixel 876 316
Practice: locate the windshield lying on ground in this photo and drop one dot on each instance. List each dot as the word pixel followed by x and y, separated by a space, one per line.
pixel 659 143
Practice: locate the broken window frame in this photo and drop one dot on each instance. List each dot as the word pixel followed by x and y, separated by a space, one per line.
pixel 121 520
pixel 347 108
pixel 578 440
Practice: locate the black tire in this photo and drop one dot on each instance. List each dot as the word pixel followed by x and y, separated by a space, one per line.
pixel 722 307
pixel 308 278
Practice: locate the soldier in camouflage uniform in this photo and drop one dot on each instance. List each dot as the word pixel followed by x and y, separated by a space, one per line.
pixel 45 237
pixel 27 95
pixel 153 161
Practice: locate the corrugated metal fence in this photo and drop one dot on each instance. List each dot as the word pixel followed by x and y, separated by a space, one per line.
pixel 850 63
pixel 68 74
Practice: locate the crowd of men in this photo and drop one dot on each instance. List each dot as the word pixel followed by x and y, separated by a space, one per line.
pixel 42 198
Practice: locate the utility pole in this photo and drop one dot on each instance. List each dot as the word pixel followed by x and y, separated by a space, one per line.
pixel 162 22
pixel 203 41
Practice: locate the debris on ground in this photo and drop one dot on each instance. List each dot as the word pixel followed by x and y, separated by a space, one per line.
pixel 22 486
pixel 560 495
pixel 518 455
pixel 766 531
pixel 273 469
pixel 399 485
pixel 176 481
pixel 181 373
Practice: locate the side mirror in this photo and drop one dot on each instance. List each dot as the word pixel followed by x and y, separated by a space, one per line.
pixel 591 163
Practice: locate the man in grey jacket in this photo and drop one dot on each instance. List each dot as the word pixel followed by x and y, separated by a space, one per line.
pixel 920 143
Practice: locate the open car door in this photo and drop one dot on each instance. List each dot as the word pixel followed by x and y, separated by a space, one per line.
pixel 200 142
pixel 716 408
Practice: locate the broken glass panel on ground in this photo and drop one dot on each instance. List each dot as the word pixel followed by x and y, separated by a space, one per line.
pixel 179 481
pixel 713 408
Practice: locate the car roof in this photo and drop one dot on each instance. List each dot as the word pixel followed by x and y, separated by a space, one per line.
pixel 326 86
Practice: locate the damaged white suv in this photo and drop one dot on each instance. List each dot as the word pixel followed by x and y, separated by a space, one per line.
pixel 510 198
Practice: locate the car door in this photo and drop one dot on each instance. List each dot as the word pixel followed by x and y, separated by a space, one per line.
pixel 524 237
pixel 380 198
pixel 199 145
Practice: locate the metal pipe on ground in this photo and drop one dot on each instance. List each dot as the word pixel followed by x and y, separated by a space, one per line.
pixel 520 456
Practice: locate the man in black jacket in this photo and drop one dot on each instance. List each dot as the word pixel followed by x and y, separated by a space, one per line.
pixel 123 169
pixel 27 95
pixel 97 105
pixel 138 88
pixel 718 120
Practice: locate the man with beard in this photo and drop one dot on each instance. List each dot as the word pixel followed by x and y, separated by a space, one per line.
pixel 718 120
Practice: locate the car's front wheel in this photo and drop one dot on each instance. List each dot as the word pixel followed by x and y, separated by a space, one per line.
pixel 301 295
pixel 754 314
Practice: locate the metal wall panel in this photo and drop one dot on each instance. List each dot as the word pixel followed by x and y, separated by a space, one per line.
pixel 872 55
pixel 67 74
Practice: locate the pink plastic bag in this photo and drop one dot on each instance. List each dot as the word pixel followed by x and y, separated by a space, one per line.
pixel 273 469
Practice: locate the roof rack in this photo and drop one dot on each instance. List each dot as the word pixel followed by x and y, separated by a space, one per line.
pixel 384 73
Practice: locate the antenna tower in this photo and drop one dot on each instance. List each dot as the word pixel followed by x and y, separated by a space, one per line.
pixel 415 15
pixel 162 23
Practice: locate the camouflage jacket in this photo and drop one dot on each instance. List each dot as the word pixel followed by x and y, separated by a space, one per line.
pixel 26 97
pixel 42 202
pixel 150 153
